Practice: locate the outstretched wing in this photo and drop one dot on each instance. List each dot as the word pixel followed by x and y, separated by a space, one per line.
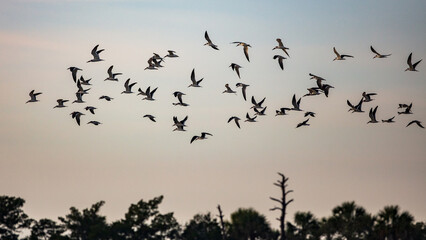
pixel 206 36
pixel 246 52
pixel 335 51
pixel 95 51
pixel 415 64
pixel 374 51
pixel 409 60
pixel 193 76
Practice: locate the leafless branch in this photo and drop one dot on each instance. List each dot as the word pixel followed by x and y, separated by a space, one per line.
pixel 287 203
pixel 289 191
pixel 276 200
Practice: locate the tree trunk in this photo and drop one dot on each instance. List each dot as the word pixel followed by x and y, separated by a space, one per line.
pixel 283 203
pixel 222 224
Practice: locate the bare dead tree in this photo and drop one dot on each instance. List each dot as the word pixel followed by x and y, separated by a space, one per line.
pixel 283 202
pixel 222 224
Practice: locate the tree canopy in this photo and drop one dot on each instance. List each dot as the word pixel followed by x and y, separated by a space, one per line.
pixel 12 217
pixel 144 221
pixel 202 226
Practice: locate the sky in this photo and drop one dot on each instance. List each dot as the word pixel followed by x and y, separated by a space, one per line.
pixel 53 163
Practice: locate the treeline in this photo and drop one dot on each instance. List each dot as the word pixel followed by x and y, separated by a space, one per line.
pixel 143 221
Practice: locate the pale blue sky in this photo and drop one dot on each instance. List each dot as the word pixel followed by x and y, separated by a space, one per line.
pixel 54 164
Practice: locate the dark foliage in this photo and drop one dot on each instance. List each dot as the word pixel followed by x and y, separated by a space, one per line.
pixel 143 221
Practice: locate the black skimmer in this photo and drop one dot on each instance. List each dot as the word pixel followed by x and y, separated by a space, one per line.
pixel 33 96
pixel 209 42
pixel 281 46
pixel 340 57
pixel 412 67
pixel 202 137
pixel 95 53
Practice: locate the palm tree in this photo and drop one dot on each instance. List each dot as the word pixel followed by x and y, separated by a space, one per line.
pixel 248 224
pixel 351 222
pixel 393 225
pixel 202 226
pixel 306 226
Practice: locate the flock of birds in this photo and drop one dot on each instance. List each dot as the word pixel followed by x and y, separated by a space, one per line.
pixel 155 61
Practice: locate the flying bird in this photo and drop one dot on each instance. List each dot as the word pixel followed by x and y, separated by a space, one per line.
pixel 76 115
pixel 243 89
pixel 74 72
pixel 149 95
pixel 390 120
pixel 209 42
pixel 367 96
pixel 372 115
pixel 355 108
pixel 202 137
pixel 235 67
pixel 84 81
pixel 280 60
pixel 179 124
pixel 407 109
pixel 281 46
pixel 179 96
pixel 340 57
pixel 228 89
pixel 79 98
pixel 245 47
pixel 281 111
pixel 378 55
pixel 250 119
pixel 236 119
pixel 171 54
pixel 416 122
pixel 96 123
pixel 111 75
pixel 261 112
pixel 195 83
pixel 296 104
pixel 326 88
pixel 312 114
pixel 60 103
pixel 312 92
pixel 412 67
pixel 95 52
pixel 106 98
pixel 90 109
pixel 402 105
pixel 304 123
pixel 151 64
pixel 128 86
pixel 257 104
pixel 33 96
pixel 150 117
